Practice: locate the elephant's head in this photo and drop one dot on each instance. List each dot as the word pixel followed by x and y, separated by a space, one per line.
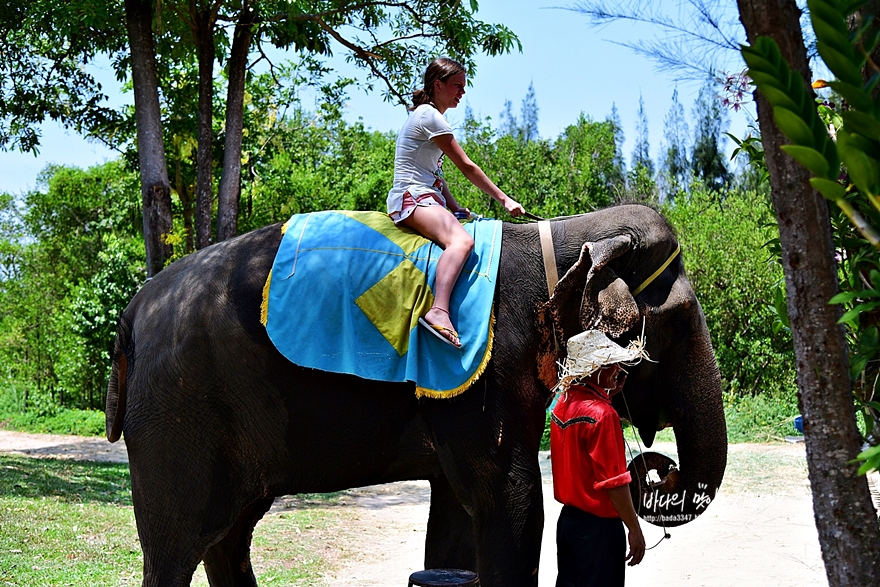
pixel 680 386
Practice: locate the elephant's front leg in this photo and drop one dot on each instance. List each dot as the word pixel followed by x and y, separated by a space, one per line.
pixel 508 535
pixel 450 539
pixel 502 508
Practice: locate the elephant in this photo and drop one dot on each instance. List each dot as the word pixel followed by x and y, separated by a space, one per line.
pixel 217 423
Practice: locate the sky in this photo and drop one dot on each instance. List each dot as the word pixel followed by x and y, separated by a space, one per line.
pixel 575 68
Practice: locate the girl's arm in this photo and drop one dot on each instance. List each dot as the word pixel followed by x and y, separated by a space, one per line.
pixel 451 202
pixel 475 175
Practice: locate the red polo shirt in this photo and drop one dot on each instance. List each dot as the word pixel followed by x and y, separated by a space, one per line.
pixel 587 450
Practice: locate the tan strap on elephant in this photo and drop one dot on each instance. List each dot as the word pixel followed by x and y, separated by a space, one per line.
pixel 550 271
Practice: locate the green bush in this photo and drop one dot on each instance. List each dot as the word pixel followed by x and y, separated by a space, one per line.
pixel 58 421
pixel 734 275
pixel 760 418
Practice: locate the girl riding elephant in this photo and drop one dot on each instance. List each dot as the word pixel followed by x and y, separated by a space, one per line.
pixel 420 196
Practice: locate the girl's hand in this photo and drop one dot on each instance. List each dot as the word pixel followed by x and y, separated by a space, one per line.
pixel 513 207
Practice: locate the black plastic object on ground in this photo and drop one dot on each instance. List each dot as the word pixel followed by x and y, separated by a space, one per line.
pixel 444 578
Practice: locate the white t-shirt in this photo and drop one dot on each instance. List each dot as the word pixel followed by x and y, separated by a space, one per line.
pixel 418 161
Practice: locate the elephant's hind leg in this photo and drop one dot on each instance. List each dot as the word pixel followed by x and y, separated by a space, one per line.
pixel 228 563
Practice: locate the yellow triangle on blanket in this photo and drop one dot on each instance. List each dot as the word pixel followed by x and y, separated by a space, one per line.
pixel 408 240
pixel 402 293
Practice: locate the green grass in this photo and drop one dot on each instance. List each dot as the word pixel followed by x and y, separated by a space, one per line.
pixel 66 523
pixel 59 421
pixel 71 523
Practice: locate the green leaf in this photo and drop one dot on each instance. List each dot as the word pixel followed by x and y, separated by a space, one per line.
pixel 871 456
pixel 764 55
pixel 798 93
pixel 848 296
pixel 809 158
pixel 853 314
pixel 870 339
pixel 832 36
pixel 769 78
pixel 844 66
pixel 839 64
pixel 875 279
pixel 829 14
pixel 862 168
pixel 862 123
pixel 793 127
pixel 867 420
pixel 848 7
pixel 857 98
pixel 777 97
pixel 829 188
pixel 756 60
pixel 858 141
pixel 857 365
pixel 829 150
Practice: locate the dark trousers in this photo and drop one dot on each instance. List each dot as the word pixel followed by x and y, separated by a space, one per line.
pixel 590 550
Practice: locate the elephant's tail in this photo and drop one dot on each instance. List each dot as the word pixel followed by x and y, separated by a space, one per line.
pixel 123 355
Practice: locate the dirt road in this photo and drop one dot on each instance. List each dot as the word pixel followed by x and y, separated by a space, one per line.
pixel 758 531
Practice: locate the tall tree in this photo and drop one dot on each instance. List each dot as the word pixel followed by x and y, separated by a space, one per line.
pixel 707 157
pixel 528 128
pixel 392 41
pixel 43 47
pixel 201 18
pixel 617 178
pixel 848 531
pixel 675 163
pixel 416 31
pixel 155 188
pixel 508 124
pixel 641 156
pixel 229 192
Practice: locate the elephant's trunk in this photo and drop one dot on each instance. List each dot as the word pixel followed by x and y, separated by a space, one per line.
pixel 699 426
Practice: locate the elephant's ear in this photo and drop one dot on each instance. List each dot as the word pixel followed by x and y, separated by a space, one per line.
pixel 607 303
pixel 549 318
pixel 589 295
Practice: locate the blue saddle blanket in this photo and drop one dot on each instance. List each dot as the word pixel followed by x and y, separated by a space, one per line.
pixel 346 291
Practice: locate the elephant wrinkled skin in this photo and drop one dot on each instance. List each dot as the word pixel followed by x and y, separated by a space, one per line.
pixel 217 423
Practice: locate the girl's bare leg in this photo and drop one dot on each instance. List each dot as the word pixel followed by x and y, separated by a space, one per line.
pixel 439 225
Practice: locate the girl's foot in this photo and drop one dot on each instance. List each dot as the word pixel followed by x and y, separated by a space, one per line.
pixel 438 318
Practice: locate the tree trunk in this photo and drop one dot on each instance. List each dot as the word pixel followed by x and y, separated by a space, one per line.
pixel 848 531
pixel 187 205
pixel 204 37
pixel 155 189
pixel 230 181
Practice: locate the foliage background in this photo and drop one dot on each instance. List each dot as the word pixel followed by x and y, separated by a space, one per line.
pixel 71 251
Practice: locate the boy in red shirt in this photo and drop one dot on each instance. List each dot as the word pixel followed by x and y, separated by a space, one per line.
pixel 590 477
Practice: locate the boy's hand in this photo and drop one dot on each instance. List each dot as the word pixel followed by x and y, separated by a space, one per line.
pixel 636 548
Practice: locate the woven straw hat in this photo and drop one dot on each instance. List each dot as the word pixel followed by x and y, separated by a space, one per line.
pixel 591 350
